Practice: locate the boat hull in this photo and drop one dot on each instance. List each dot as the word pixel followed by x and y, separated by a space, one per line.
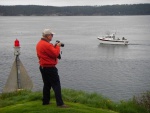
pixel 116 42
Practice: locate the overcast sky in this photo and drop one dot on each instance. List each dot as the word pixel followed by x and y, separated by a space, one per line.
pixel 70 2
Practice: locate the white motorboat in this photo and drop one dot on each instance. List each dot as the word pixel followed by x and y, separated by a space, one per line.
pixel 111 39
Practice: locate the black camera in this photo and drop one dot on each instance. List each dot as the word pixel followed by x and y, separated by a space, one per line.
pixel 62 45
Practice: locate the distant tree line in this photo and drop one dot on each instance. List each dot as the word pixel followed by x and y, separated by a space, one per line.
pixel 29 10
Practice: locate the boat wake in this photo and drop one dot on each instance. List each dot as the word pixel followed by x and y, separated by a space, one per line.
pixel 139 44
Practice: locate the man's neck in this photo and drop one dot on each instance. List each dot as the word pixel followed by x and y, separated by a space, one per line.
pixel 45 39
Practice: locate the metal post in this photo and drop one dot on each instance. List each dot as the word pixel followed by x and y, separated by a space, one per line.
pixel 18 72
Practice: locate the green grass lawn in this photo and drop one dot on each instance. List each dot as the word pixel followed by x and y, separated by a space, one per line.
pixel 78 102
pixel 37 107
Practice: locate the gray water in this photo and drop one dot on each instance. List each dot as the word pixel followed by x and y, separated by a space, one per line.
pixel 117 72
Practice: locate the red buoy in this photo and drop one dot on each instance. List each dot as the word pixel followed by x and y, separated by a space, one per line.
pixel 16 43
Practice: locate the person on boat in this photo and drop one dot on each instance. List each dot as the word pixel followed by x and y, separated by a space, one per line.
pixel 113 36
pixel 47 54
pixel 123 38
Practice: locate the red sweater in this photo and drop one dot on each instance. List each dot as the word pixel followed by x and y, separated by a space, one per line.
pixel 47 53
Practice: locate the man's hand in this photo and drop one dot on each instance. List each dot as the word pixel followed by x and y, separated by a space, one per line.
pixel 58 44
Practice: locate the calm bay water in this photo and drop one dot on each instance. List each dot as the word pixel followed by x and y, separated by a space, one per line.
pixel 117 72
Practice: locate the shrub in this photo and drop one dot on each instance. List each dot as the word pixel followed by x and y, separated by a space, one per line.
pixel 143 100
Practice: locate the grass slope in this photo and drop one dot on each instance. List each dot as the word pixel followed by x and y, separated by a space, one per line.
pixel 78 101
pixel 36 107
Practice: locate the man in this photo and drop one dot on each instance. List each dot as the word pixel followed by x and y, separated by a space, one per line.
pixel 48 57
